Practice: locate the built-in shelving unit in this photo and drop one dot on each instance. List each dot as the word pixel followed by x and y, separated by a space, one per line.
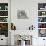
pixel 42 19
pixel 4 19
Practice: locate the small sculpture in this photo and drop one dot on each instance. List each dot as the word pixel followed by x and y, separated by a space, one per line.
pixel 31 27
pixel 13 27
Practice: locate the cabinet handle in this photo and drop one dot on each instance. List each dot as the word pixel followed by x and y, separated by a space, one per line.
pixel 43 39
pixel 1 39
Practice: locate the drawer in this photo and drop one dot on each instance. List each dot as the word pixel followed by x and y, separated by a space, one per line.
pixel 3 41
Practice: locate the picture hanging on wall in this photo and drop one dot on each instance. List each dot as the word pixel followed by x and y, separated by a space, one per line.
pixel 22 14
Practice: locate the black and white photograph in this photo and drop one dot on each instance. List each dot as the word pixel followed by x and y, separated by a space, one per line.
pixel 22 14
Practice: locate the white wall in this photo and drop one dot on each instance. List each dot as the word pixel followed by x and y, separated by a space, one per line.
pixel 26 5
pixel 31 7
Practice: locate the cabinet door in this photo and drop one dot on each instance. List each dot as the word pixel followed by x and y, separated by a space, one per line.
pixel 40 42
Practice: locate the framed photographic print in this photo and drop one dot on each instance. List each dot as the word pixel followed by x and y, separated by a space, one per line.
pixel 22 14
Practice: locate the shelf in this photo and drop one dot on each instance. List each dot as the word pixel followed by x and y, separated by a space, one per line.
pixel 42 19
pixel 4 19
pixel 3 22
pixel 42 16
pixel 3 10
pixel 41 10
pixel 41 22
pixel 3 16
pixel 41 28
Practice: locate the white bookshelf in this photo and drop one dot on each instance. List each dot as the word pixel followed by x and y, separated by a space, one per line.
pixel 4 17
pixel 42 19
pixel 42 13
pixel 4 12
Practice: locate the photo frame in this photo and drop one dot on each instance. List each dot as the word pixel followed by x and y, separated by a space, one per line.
pixel 22 14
